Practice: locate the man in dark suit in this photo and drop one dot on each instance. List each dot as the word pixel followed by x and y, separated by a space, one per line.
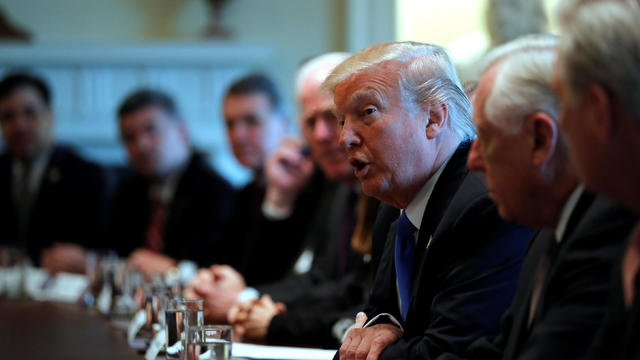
pixel 52 202
pixel 562 290
pixel 174 206
pixel 256 122
pixel 336 279
pixel 597 79
pixel 449 265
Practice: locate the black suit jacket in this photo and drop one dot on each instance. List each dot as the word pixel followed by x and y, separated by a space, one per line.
pixel 200 207
pixel 70 205
pixel 323 238
pixel 310 320
pixel 269 247
pixel 573 299
pixel 466 267
pixel 620 331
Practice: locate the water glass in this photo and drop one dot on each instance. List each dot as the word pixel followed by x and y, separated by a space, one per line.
pixel 209 342
pixel 174 323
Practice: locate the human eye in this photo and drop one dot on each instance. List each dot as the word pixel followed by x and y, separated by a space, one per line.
pixel 369 110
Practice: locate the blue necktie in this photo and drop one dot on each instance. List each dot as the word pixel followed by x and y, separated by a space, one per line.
pixel 404 255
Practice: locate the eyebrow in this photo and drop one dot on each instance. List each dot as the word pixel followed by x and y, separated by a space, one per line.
pixel 363 95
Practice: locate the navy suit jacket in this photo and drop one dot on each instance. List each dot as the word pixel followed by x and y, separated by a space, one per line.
pixel 573 300
pixel 466 267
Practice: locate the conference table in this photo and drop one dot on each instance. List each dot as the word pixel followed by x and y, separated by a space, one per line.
pixel 50 330
pixel 31 329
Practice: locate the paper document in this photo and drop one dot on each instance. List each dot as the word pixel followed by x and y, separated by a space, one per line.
pixel 251 351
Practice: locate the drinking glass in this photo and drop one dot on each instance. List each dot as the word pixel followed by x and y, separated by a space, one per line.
pixel 193 312
pixel 174 323
pixel 209 342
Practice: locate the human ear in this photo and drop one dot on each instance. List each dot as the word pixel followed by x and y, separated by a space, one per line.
pixel 544 133
pixel 438 118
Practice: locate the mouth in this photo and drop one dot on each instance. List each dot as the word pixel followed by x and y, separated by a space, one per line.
pixel 360 167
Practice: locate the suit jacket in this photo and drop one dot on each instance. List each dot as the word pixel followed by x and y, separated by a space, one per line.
pixel 572 303
pixel 466 265
pixel 323 237
pixel 200 207
pixel 70 205
pixel 269 247
pixel 311 321
pixel 619 334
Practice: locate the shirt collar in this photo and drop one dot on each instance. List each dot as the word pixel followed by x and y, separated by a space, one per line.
pixel 36 171
pixel 567 210
pixel 417 206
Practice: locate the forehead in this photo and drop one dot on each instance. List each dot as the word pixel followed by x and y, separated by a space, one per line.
pixel 247 101
pixel 146 116
pixel 483 91
pixel 381 78
pixel 23 94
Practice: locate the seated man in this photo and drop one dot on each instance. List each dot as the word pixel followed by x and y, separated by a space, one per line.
pixel 52 202
pixel 174 206
pixel 256 122
pixel 562 290
pixel 598 80
pixel 336 280
pixel 449 266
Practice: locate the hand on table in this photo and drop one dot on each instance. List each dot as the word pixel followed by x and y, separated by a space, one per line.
pixel 251 320
pixel 150 262
pixel 367 343
pixel 64 257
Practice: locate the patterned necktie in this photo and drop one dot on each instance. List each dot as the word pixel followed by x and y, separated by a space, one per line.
pixel 630 266
pixel 404 255
pixel 23 200
pixel 541 275
pixel 155 230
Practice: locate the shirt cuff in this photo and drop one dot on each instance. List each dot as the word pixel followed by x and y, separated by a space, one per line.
pixel 247 294
pixel 388 316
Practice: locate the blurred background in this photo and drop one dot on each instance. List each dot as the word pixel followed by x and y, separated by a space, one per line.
pixel 94 52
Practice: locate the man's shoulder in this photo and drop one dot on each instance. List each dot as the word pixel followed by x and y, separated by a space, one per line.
pixel 67 159
pixel 604 222
pixel 200 173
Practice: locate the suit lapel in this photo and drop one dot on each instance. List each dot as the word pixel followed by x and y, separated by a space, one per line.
pixel 573 228
pixel 521 327
pixel 435 216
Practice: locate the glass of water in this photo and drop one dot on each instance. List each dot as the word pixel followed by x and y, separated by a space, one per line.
pixel 193 312
pixel 174 323
pixel 209 342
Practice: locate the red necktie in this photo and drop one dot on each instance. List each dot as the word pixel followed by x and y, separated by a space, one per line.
pixel 156 225
pixel 630 266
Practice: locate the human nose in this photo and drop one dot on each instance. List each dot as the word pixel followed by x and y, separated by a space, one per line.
pixel 323 131
pixel 474 161
pixel 348 136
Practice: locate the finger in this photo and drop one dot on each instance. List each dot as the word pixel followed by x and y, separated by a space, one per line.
pixel 356 338
pixel 363 348
pixel 361 319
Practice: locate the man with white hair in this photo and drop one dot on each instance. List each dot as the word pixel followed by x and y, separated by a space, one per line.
pixel 336 280
pixel 562 290
pixel 449 265
pixel 598 79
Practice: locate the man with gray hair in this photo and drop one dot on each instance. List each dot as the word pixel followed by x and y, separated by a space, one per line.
pixel 449 265
pixel 562 290
pixel 598 79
